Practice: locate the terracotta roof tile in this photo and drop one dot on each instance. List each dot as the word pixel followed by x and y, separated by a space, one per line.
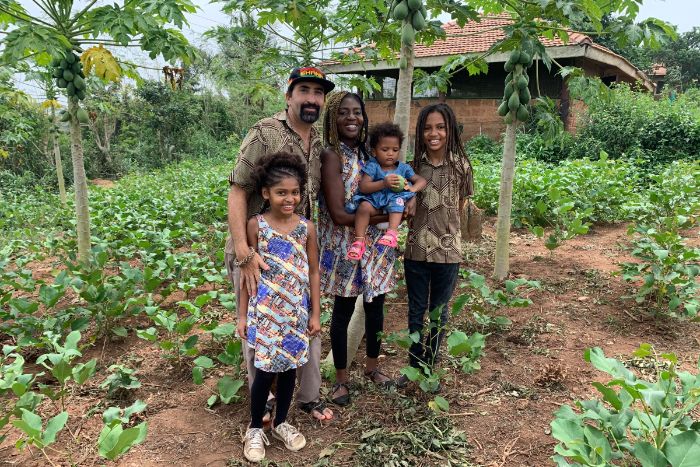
pixel 478 37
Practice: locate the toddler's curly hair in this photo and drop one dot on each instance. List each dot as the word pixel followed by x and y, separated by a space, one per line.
pixel 272 168
pixel 384 130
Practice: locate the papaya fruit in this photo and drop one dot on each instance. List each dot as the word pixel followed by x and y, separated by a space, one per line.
pixel 418 21
pixel 76 67
pixel 401 11
pixel 424 11
pixel 68 75
pixel 401 185
pixel 524 96
pixel 65 117
pixel 82 116
pixel 79 83
pixel 70 90
pixel 525 58
pixel 408 34
pixel 509 66
pixel 80 94
pixel 403 63
pixel 509 78
pixel 57 73
pixel 509 118
pixel 522 82
pixel 414 5
pixel 70 58
pixel 515 56
pixel 514 102
pixel 503 109
pixel 508 91
pixel 522 114
pixel 63 64
pixel 61 83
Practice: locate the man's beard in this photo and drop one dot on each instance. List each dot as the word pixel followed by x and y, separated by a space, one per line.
pixel 309 117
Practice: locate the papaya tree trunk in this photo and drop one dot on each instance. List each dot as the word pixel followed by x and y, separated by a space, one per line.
pixel 402 114
pixel 505 204
pixel 356 329
pixel 57 160
pixel 82 213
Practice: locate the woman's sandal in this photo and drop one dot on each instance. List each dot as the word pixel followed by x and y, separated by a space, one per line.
pixel 372 375
pixel 316 406
pixel 390 239
pixel 356 250
pixel 343 400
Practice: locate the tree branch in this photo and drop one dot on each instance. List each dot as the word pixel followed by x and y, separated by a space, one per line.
pixel 29 19
pixel 45 8
pixel 81 13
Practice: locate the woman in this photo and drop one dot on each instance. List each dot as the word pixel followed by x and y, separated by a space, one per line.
pixel 345 130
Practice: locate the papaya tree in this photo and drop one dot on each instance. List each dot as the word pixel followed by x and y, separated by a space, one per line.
pixel 52 104
pixel 76 42
pixel 531 21
pixel 413 15
pixel 42 76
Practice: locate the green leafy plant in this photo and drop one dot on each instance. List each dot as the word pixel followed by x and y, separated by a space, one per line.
pixel 637 421
pixel 565 222
pixel 114 439
pixel 120 380
pixel 60 364
pixel 667 269
pixel 483 301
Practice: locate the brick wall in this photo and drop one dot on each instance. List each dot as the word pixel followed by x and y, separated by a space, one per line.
pixel 477 116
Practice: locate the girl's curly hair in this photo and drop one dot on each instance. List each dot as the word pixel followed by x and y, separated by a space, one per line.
pixel 384 130
pixel 272 168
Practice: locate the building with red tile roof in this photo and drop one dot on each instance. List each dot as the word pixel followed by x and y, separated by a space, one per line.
pixel 475 98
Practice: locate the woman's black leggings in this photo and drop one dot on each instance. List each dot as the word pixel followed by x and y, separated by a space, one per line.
pixel 260 390
pixel 374 324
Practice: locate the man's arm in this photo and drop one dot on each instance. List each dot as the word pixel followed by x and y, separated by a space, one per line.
pixel 241 181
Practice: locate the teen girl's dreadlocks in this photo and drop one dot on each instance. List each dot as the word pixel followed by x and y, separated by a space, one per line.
pixel 454 151
pixel 330 122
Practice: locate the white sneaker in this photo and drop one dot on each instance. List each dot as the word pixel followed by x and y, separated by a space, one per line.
pixel 290 436
pixel 255 442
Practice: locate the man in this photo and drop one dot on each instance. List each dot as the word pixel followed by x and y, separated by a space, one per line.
pixel 290 130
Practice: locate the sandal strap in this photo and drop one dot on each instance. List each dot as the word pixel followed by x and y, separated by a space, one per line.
pixel 309 407
pixel 373 374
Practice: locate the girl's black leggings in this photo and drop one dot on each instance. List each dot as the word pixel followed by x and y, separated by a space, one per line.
pixel 260 390
pixel 374 324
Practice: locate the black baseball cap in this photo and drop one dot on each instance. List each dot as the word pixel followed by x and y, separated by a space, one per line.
pixel 310 73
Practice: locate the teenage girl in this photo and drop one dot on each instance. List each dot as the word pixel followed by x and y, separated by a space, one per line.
pixel 433 247
pixel 383 188
pixel 285 311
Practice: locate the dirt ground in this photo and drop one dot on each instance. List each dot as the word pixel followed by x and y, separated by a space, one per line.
pixel 504 409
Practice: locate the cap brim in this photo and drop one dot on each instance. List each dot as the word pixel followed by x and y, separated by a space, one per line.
pixel 328 86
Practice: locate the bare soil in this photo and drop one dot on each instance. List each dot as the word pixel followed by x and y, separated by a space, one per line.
pixel 504 409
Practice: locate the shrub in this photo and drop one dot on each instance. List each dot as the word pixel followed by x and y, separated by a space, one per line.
pixel 632 124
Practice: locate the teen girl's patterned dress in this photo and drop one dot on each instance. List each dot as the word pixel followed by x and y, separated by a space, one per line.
pixel 371 276
pixel 279 313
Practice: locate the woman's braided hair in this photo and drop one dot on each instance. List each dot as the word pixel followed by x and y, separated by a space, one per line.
pixel 330 122
pixel 272 168
pixel 454 151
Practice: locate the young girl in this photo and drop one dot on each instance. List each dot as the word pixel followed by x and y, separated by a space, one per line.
pixel 383 188
pixel 286 308
pixel 433 248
